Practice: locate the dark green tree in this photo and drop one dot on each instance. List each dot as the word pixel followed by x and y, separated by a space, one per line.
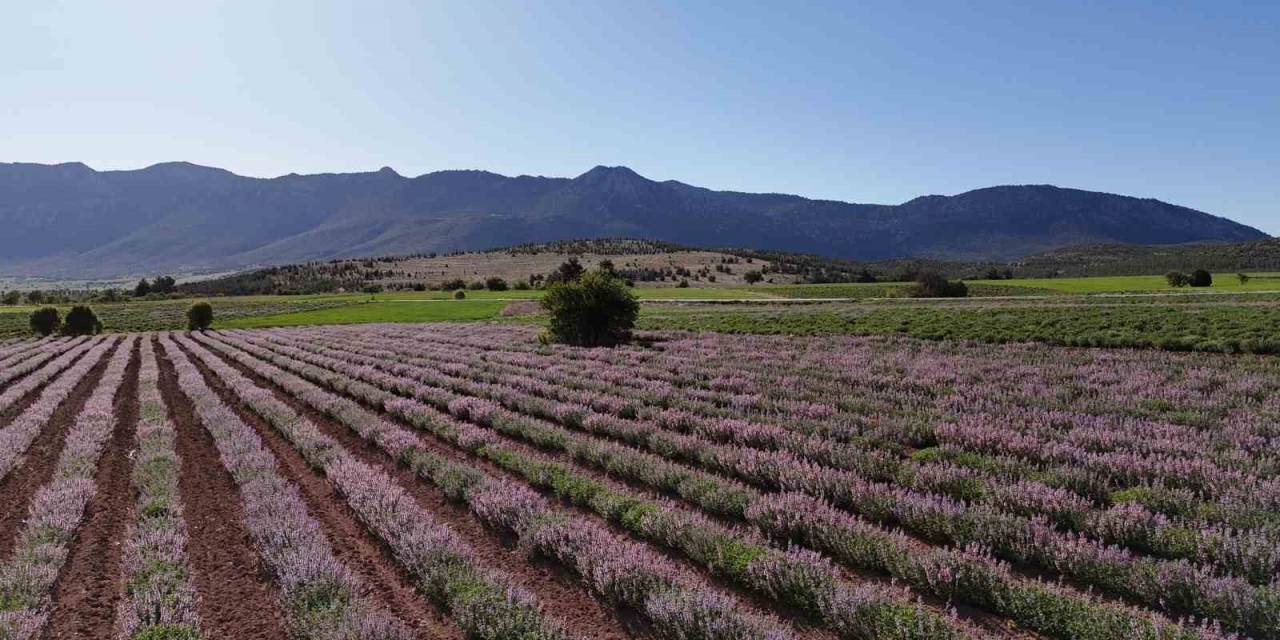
pixel 199 316
pixel 81 321
pixel 595 310
pixel 142 288
pixel 1200 278
pixel 495 284
pixel 45 320
pixel 753 277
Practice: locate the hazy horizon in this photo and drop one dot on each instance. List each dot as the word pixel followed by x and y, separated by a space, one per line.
pixel 879 103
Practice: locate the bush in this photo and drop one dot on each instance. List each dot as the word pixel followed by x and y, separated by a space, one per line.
pixel 81 321
pixel 495 284
pixel 520 285
pixel 752 277
pixel 1243 278
pixel 933 285
pixel 1177 279
pixel 684 284
pixel 199 316
pixel 35 297
pixel 1200 278
pixel 597 310
pixel 459 295
pixel 476 286
pixel 142 288
pixel 14 297
pixel 45 321
pixel 454 285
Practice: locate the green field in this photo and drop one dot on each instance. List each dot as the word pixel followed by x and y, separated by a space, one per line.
pixel 367 312
pixel 1136 284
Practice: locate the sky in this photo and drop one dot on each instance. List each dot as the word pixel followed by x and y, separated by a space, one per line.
pixel 858 101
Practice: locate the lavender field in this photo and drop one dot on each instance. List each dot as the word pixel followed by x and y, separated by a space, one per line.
pixel 464 481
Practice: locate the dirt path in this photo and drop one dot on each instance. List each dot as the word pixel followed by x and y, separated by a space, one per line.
pixel 237 597
pixel 559 592
pixel 90 585
pixel 385 583
pixel 38 463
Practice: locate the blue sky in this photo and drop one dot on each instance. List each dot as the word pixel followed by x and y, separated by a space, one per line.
pixel 869 102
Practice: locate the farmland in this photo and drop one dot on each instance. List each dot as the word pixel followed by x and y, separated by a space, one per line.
pixel 463 481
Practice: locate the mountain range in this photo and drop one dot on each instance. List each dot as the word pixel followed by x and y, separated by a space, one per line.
pixel 71 221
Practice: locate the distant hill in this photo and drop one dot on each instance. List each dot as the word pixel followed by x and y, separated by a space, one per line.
pixel 1121 260
pixel 70 221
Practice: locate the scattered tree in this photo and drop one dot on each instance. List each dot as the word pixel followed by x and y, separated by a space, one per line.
pixel 12 297
pixel 35 297
pixel 199 316
pixel 931 284
pixel 495 284
pixel 163 285
pixel 1177 279
pixel 81 321
pixel 595 310
pixel 454 285
pixel 1200 278
pixel 753 277
pixel 520 285
pixel 45 320
pixel 142 288
pixel 684 284
pixel 476 286
pixel 570 270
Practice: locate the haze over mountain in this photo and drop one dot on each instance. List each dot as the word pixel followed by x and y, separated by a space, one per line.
pixel 70 221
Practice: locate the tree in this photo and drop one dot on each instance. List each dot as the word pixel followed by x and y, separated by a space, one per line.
pixel 606 266
pixel 35 297
pixel 163 284
pixel 865 276
pixel 45 320
pixel 1242 277
pixel 1177 279
pixel 81 321
pixel 454 285
pixel 495 284
pixel 12 297
pixel 931 284
pixel 1200 278
pixel 476 286
pixel 199 316
pixel 142 288
pixel 753 277
pixel 595 310
pixel 570 270
pixel 459 294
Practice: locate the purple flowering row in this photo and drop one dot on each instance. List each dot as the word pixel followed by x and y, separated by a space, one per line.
pixel 321 595
pixel 857 611
pixel 26 356
pixel 1254 555
pixel 1195 589
pixel 20 345
pixel 159 596
pixel 619 570
pixel 485 603
pixel 27 577
pixel 17 437
pixel 54 362
pixel 1066 614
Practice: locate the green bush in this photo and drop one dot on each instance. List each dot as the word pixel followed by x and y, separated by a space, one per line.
pixel 81 321
pixel 1177 279
pixel 596 310
pixel 933 285
pixel 476 286
pixel 199 316
pixel 1200 278
pixel 495 284
pixel 459 294
pixel 45 321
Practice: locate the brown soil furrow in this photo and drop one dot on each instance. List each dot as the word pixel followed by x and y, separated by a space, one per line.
pixel 41 458
pixel 237 597
pixel 559 592
pixel 86 594
pixel 385 583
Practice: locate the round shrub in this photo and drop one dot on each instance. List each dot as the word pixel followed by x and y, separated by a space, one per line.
pixel 459 294
pixel 199 316
pixel 934 285
pixel 45 320
pixel 596 310
pixel 1200 278
pixel 81 321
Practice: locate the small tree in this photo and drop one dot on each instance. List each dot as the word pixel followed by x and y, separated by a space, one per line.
pixel 12 297
pixel 495 284
pixel 35 297
pixel 459 294
pixel 596 310
pixel 1200 278
pixel 199 316
pixel 934 285
pixel 753 277
pixel 1177 279
pixel 454 285
pixel 1242 277
pixel 142 288
pixel 45 321
pixel 163 284
pixel 81 321
pixel 569 271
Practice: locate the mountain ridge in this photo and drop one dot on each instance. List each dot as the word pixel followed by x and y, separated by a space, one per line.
pixel 69 220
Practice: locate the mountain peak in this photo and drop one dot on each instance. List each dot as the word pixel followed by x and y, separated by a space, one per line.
pixel 619 172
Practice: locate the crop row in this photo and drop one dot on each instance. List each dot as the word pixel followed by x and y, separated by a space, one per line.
pixel 57 509
pixel 801 579
pixel 321 596
pixel 16 438
pixel 983 581
pixel 159 599
pixel 1176 587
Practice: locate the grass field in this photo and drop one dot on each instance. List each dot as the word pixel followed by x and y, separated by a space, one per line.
pixel 1121 284
pixel 368 312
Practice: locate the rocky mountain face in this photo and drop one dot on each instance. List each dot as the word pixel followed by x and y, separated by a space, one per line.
pixel 71 221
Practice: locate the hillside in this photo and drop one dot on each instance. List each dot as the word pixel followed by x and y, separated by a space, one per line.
pixel 69 220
